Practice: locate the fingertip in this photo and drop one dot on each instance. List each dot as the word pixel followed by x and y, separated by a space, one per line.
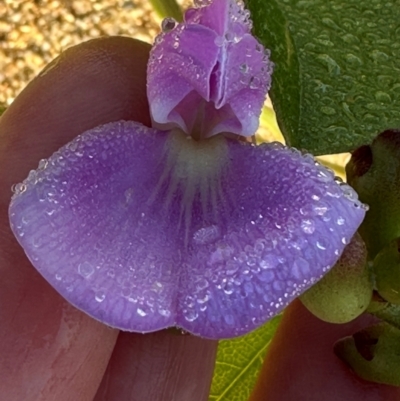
pixel 96 82
pixel 159 366
pixel 301 365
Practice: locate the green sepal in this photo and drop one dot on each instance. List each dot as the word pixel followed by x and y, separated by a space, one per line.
pixel 386 267
pixel 373 353
pixel 374 172
pixel 346 290
pixel 384 310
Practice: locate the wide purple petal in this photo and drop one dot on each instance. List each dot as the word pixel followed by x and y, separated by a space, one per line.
pixel 144 229
pixel 209 65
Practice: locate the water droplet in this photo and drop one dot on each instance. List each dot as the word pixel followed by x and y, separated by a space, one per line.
pixel 231 267
pixel 340 221
pixel 168 24
pixel 49 211
pixel 267 276
pixel 353 60
pixel 344 241
pixel 228 288
pixel 206 235
pixel 321 244
pixel 190 315
pixel 307 226
pixel 329 111
pixel 205 298
pixel 42 164
pixel 329 62
pixel 269 262
pixel 100 296
pixel 349 38
pixel 85 269
pixel 175 45
pixel 278 285
pixel 254 83
pixel 58 277
pixel 141 312
pixel 18 188
pixel 379 56
pixel 300 268
pixel 229 319
pixel 244 68
pixel 128 195
pixel 219 41
pixel 164 312
pixel 320 209
pixel 202 284
pixel 323 174
pixel 348 192
pixel 383 97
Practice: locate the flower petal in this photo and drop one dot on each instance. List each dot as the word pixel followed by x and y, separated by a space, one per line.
pixel 209 65
pixel 143 229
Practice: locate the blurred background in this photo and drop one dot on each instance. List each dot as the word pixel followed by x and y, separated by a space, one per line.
pixel 34 32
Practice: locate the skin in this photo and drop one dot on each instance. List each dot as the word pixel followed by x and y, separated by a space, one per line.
pixel 50 350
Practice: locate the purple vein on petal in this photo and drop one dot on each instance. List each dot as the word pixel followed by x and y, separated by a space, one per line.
pixel 212 65
pixel 143 229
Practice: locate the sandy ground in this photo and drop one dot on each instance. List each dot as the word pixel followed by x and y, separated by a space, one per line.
pixel 33 32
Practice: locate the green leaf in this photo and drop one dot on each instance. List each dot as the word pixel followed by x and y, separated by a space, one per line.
pixel 167 8
pixel 336 83
pixel 239 362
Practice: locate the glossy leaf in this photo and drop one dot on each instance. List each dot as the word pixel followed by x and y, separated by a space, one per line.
pixel 238 363
pixel 336 83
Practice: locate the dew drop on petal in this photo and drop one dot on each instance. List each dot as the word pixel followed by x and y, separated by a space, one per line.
pixel 85 269
pixel 100 296
pixel 229 319
pixel 321 244
pixel 190 315
pixel 42 164
pixel 206 235
pixel 244 68
pixel 168 24
pixel 164 312
pixel 308 226
pixel 340 221
pixel 300 268
pixel 141 312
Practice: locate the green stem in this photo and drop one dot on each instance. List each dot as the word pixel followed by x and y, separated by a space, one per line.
pixel 167 8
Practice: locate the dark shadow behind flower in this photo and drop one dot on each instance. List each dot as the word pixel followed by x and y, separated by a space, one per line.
pixel 181 225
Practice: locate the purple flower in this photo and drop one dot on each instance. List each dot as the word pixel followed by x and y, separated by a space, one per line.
pixel 145 228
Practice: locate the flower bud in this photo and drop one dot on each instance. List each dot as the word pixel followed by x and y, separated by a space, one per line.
pixel 373 353
pixel 345 292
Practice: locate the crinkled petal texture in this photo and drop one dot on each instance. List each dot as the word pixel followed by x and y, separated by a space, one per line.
pixel 212 66
pixel 144 229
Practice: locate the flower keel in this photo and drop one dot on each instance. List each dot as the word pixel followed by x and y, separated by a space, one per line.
pixel 210 63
